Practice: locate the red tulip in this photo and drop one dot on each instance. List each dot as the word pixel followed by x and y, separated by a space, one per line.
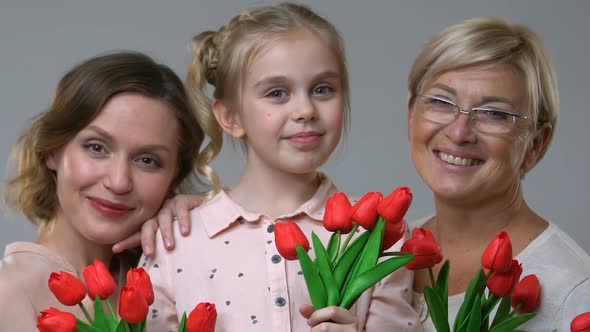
pixel 502 283
pixel 527 293
pixel 133 306
pixel 287 237
pixel 364 212
pixel 337 216
pixel 424 245
pixel 68 289
pixel 202 318
pixel 498 255
pixel 394 207
pixel 393 233
pixel 53 320
pixel 140 280
pixel 99 280
pixel 581 323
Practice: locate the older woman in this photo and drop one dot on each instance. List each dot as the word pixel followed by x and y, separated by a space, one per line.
pixel 483 108
pixel 119 136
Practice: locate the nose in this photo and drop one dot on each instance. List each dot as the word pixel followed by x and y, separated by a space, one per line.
pixel 460 131
pixel 305 110
pixel 118 178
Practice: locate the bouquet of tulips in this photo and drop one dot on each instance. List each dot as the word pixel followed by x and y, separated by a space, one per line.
pixel 134 301
pixel 340 273
pixel 500 275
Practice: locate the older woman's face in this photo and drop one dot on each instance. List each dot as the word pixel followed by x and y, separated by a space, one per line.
pixel 115 173
pixel 456 160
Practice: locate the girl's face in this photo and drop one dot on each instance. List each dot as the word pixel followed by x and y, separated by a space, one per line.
pixel 292 106
pixel 456 160
pixel 115 173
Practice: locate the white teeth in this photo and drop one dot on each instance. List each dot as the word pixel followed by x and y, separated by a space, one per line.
pixel 458 160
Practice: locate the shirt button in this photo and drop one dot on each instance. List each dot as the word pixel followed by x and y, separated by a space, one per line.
pixel 280 301
pixel 276 259
pixel 270 228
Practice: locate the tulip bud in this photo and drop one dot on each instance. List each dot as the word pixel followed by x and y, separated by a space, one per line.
pixel 394 207
pixel 133 307
pixel 364 212
pixel 337 216
pixel 202 318
pixel 140 280
pixel 581 323
pixel 54 320
pixel 498 255
pixel 287 237
pixel 99 280
pixel 422 244
pixel 528 294
pixel 502 283
pixel 68 289
pixel 393 232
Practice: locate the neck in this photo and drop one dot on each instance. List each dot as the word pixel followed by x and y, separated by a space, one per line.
pixel 475 221
pixel 273 192
pixel 63 239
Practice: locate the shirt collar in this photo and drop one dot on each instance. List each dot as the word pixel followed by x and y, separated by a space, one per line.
pixel 221 211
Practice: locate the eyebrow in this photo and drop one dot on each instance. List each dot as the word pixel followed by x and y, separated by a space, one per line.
pixel 484 99
pixel 280 79
pixel 108 137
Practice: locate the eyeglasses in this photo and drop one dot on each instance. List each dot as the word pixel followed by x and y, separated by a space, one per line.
pixel 484 119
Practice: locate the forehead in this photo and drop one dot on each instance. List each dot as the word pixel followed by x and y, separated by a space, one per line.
pixel 297 54
pixel 137 120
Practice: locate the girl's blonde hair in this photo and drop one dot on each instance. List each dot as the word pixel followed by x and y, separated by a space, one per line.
pixel 222 57
pixel 79 98
pixel 488 41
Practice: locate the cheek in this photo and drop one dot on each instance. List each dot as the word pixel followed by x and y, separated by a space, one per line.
pixel 151 190
pixel 78 171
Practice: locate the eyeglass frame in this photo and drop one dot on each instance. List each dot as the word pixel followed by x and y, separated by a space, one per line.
pixel 470 112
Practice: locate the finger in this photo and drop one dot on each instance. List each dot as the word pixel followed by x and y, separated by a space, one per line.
pixel 331 314
pixel 333 327
pixel 148 237
pixel 306 310
pixel 165 220
pixel 182 207
pixel 131 242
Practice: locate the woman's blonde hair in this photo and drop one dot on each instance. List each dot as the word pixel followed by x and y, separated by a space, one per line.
pixel 488 41
pixel 222 57
pixel 79 98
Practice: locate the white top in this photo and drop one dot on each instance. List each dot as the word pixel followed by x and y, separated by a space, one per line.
pixel 563 268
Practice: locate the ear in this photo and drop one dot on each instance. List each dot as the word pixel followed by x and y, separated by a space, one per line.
pixel 540 141
pixel 51 162
pixel 228 119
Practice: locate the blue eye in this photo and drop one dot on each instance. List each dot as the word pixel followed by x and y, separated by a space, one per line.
pixel 323 90
pixel 276 93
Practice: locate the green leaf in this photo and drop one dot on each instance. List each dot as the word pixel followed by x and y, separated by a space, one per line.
pixel 475 316
pixel 334 246
pixel 442 284
pixel 123 326
pixel 325 271
pixel 367 279
pixel 83 327
pixel 370 255
pixel 437 310
pixel 512 323
pixel 316 290
pixel 489 306
pixel 475 288
pixel 343 266
pixel 101 322
pixel 182 326
pixel 503 311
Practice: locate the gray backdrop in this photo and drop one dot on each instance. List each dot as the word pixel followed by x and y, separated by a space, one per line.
pixel 40 40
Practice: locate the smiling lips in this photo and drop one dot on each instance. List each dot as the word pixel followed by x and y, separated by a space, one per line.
pixel 108 208
pixel 458 161
pixel 305 137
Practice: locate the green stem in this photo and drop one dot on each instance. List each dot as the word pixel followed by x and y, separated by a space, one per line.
pixel 345 245
pixel 431 274
pixel 86 313
pixel 393 253
pixel 111 308
pixel 515 310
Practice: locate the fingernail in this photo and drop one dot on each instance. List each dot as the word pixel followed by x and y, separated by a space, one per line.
pixel 183 229
pixel 168 243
